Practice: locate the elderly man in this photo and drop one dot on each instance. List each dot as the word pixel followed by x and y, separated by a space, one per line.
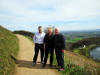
pixel 38 40
pixel 59 44
pixel 49 46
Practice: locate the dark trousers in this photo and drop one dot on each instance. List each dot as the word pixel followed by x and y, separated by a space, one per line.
pixel 47 50
pixel 60 58
pixel 37 48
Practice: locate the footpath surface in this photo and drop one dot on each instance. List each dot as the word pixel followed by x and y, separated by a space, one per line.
pixel 25 56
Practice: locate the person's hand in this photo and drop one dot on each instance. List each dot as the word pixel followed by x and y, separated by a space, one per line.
pixel 62 50
pixel 44 46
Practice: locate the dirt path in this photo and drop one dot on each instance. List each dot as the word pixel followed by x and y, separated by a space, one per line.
pixel 25 56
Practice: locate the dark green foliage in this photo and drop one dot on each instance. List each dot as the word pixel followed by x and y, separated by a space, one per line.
pixel 25 33
pixel 86 41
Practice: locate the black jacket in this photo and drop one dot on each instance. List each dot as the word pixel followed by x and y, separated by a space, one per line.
pixel 49 41
pixel 59 42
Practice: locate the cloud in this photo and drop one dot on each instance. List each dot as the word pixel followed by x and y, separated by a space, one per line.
pixel 29 12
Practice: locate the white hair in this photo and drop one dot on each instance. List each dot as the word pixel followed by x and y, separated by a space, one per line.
pixel 50 28
pixel 57 29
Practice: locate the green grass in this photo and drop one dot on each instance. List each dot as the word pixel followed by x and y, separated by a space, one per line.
pixel 72 69
pixel 73 40
pixel 70 41
pixel 8 49
pixel 76 51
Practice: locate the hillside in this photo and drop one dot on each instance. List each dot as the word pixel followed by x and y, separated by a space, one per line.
pixel 82 61
pixel 8 51
pixel 86 41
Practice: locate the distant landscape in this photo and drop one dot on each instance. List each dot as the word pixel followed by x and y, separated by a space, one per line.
pixel 76 40
pixel 79 45
pixel 74 36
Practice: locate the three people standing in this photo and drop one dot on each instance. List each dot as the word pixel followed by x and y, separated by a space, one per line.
pixel 46 43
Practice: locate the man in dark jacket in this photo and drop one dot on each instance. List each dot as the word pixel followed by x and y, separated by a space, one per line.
pixel 59 44
pixel 49 46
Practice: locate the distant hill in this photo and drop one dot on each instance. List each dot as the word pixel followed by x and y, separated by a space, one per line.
pixel 8 51
pixel 75 31
pixel 87 42
pixel 25 33
pixel 75 38
pixel 83 33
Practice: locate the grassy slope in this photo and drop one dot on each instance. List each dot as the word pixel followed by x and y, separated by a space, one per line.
pixel 84 62
pixel 8 49
pixel 72 68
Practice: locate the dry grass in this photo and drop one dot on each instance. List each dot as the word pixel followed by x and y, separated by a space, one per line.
pixel 84 62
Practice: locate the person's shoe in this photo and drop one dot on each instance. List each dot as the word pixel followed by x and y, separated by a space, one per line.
pixel 42 62
pixel 62 69
pixel 50 65
pixel 58 67
pixel 43 65
pixel 34 63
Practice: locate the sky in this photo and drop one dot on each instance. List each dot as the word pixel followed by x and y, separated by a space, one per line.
pixel 66 14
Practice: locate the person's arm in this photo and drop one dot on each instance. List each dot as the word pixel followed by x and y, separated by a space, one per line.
pixel 34 38
pixel 53 40
pixel 44 46
pixel 63 43
pixel 44 42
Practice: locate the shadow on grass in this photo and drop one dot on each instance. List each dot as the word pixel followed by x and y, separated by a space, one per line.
pixel 28 64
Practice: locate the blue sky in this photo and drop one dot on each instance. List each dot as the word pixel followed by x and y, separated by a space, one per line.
pixel 65 14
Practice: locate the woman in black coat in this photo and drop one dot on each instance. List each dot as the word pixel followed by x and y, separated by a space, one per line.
pixel 49 46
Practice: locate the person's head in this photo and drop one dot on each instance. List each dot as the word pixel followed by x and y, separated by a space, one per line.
pixel 57 31
pixel 40 29
pixel 50 30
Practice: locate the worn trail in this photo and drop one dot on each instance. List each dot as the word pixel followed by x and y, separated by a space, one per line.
pixel 25 56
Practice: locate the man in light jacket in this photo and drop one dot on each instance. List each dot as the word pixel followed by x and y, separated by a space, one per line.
pixel 38 40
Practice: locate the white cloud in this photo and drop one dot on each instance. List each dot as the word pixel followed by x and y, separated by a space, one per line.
pixel 26 12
